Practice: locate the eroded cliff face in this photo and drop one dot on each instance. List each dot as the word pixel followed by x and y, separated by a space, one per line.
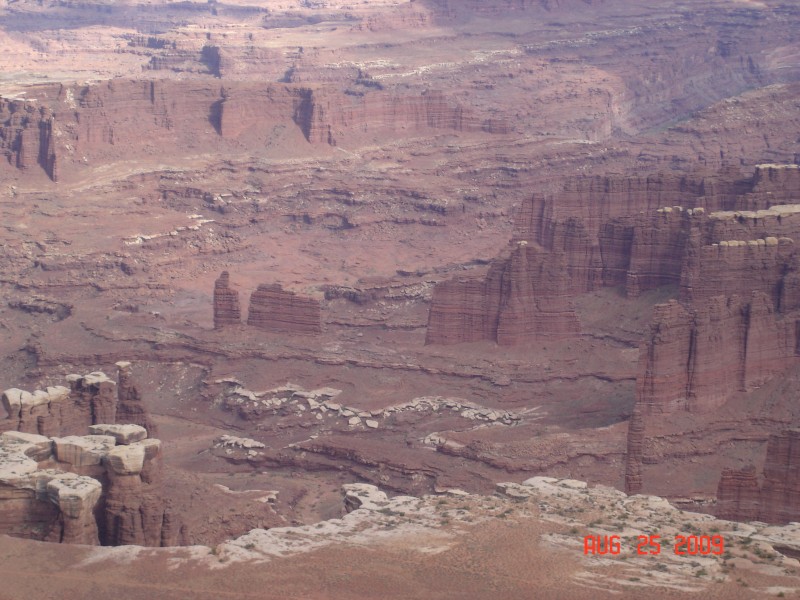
pixel 738 495
pixel 275 309
pixel 59 484
pixel 26 136
pixel 130 407
pixel 70 126
pixel 733 326
pixel 522 297
pixel 776 499
pixel 637 231
pixel 695 359
pixel 102 488
pixel 780 491
pixel 615 231
pixel 226 303
pixel 635 452
pixel 59 410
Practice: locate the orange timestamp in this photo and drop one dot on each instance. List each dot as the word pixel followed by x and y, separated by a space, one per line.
pixel 650 545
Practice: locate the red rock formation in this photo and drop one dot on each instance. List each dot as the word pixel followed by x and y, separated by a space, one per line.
pixel 60 411
pixel 738 267
pixel 130 407
pixel 533 302
pixel 26 136
pixel 275 309
pixel 614 231
pixel 226 303
pixel 322 114
pixel 658 246
pixel 694 359
pixel 134 508
pixel 778 499
pixel 635 452
pixel 662 380
pixel 780 492
pixel 775 184
pixel 738 495
pixel 57 489
pixel 522 297
pixel 459 313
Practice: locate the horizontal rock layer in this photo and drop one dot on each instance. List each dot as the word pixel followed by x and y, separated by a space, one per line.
pixel 275 309
pixel 226 303
pixel 84 489
pixel 522 297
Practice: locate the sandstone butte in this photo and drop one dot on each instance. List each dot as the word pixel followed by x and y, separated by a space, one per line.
pixel 271 308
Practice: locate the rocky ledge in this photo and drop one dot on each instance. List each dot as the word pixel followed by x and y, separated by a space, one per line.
pixel 104 487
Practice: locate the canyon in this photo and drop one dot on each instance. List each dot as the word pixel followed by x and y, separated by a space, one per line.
pixel 409 283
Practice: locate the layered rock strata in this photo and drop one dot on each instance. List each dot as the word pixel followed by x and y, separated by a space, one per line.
pixel 62 126
pixel 130 406
pixel 634 231
pixel 522 297
pixel 105 487
pixel 635 453
pixel 135 511
pixel 61 410
pixel 738 495
pixel 616 231
pixel 226 303
pixel 694 359
pixel 275 309
pixel 89 400
pixel 780 491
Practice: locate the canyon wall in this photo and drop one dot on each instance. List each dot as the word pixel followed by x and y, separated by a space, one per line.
pixel 60 410
pixel 780 491
pixel 738 495
pixel 57 127
pixel 523 296
pixel 776 499
pixel 694 359
pixel 615 231
pixel 130 407
pixel 734 325
pixel 89 400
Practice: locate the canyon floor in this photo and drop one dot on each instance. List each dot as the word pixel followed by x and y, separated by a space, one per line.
pixel 361 155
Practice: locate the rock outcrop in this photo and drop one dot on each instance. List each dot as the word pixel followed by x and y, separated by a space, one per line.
pixel 738 495
pixel 777 498
pixel 135 509
pixel 616 231
pixel 89 400
pixel 694 359
pixel 103 488
pixel 130 407
pixel 635 453
pixel 275 309
pixel 59 410
pixel 637 231
pixel 226 303
pixel 522 297
pixel 780 491
pixel 26 136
